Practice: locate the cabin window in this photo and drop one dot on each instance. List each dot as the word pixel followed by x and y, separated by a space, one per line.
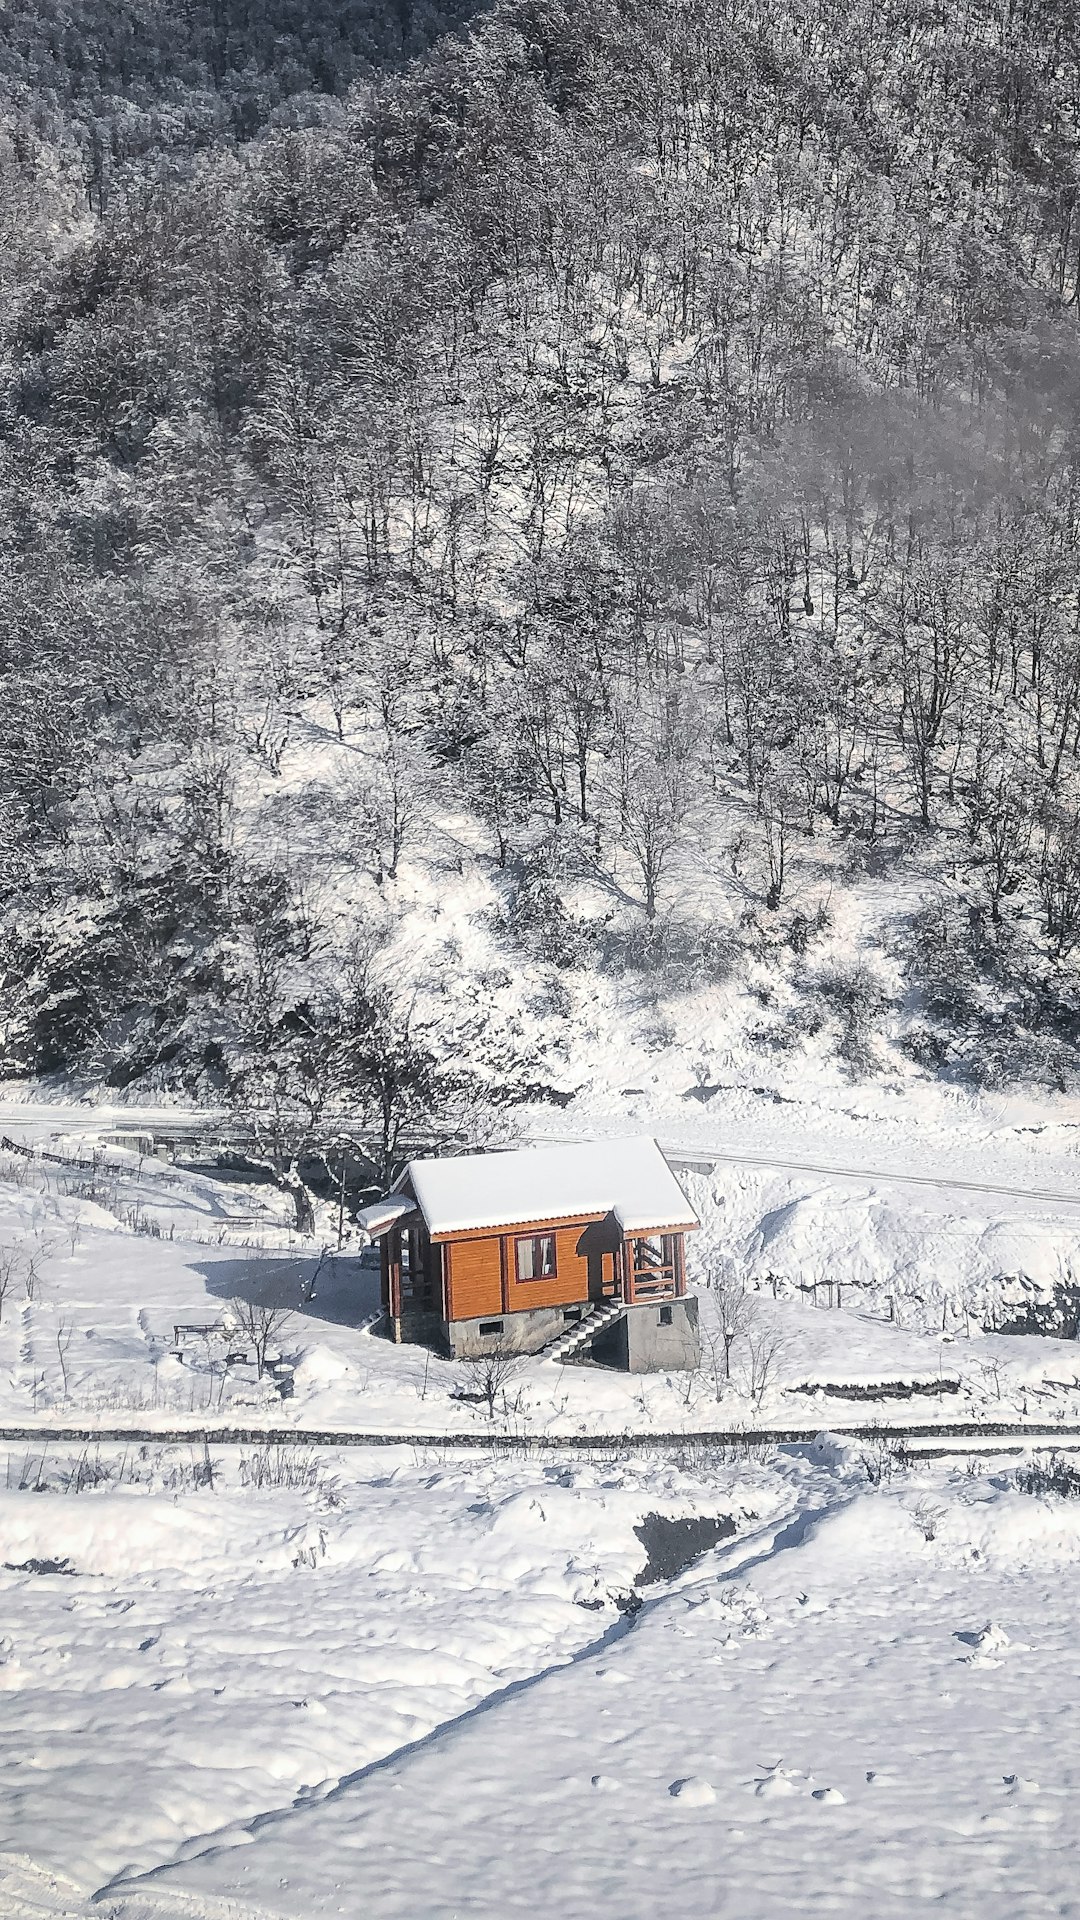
pixel 664 1316
pixel 534 1258
pixel 490 1327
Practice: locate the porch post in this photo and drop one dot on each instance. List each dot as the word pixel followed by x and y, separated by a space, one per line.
pixel 392 1244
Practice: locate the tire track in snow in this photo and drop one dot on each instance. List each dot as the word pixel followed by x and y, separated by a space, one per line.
pixel 705 1159
pixel 32 1892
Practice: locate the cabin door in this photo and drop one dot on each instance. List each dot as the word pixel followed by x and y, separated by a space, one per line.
pixel 603 1277
pixel 598 1247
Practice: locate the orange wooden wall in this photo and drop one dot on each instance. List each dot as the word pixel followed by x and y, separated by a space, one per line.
pixel 571 1280
pixel 476 1275
pixel 475 1278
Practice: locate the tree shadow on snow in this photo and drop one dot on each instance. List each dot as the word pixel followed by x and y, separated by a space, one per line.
pixel 338 1289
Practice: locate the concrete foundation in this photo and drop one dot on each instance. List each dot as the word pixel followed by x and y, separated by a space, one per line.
pixel 417 1329
pixel 654 1339
pixel 662 1338
pixel 510 1332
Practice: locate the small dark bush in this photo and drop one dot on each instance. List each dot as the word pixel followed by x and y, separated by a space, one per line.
pixel 857 1000
pixel 941 964
pixel 682 954
pixel 926 1047
pixel 1054 1474
pixel 999 1056
pixel 804 928
pixel 1056 1319
pixel 535 915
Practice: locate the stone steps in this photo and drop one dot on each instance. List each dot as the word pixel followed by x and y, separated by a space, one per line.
pixel 583 1332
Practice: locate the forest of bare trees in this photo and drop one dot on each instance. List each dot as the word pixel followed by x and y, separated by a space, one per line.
pixel 646 437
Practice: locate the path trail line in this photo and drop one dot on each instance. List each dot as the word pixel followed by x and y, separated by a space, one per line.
pixel 731 1558
pixel 223 1840
pixel 1029 1433
pixel 704 1158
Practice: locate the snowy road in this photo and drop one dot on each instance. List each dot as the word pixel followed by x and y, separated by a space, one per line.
pixel 707 1158
pixel 34 1120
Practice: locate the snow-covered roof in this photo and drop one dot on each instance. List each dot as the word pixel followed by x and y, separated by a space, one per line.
pixel 629 1178
pixel 384 1214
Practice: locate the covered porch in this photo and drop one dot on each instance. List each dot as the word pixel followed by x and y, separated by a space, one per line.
pixel 650 1267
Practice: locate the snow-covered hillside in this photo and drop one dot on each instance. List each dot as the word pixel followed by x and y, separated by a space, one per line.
pixel 546 532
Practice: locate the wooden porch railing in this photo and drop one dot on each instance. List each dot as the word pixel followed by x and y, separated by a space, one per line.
pixel 642 1282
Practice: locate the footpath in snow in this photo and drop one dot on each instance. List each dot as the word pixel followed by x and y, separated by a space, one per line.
pixel 864 1704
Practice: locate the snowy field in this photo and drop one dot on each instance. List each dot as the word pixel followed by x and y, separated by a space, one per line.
pixel 266 1683
pixel 341 1698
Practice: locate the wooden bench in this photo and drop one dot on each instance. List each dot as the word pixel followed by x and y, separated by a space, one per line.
pixel 184 1330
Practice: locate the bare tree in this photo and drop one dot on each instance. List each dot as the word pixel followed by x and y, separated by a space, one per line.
pixel 777 806
pixel 766 1351
pixel 489 1374
pixel 63 1341
pixel 13 1267
pixel 388 803
pixel 262 1323
pixel 714 1359
pixel 734 1308
pixel 388 1068
pixel 929 613
pixel 1059 877
pixel 1000 824
pixel 498 786
pixel 278 1156
pixel 655 789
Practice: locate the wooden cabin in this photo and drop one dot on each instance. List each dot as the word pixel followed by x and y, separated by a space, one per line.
pixel 565 1247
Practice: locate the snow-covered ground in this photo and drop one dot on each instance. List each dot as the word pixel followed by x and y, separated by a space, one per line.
pixel 231 1646
pixel 408 1688
pixel 859 1280
pixel 277 1683
pixel 837 1716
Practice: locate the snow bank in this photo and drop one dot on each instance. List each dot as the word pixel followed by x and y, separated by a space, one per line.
pixel 126 1532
